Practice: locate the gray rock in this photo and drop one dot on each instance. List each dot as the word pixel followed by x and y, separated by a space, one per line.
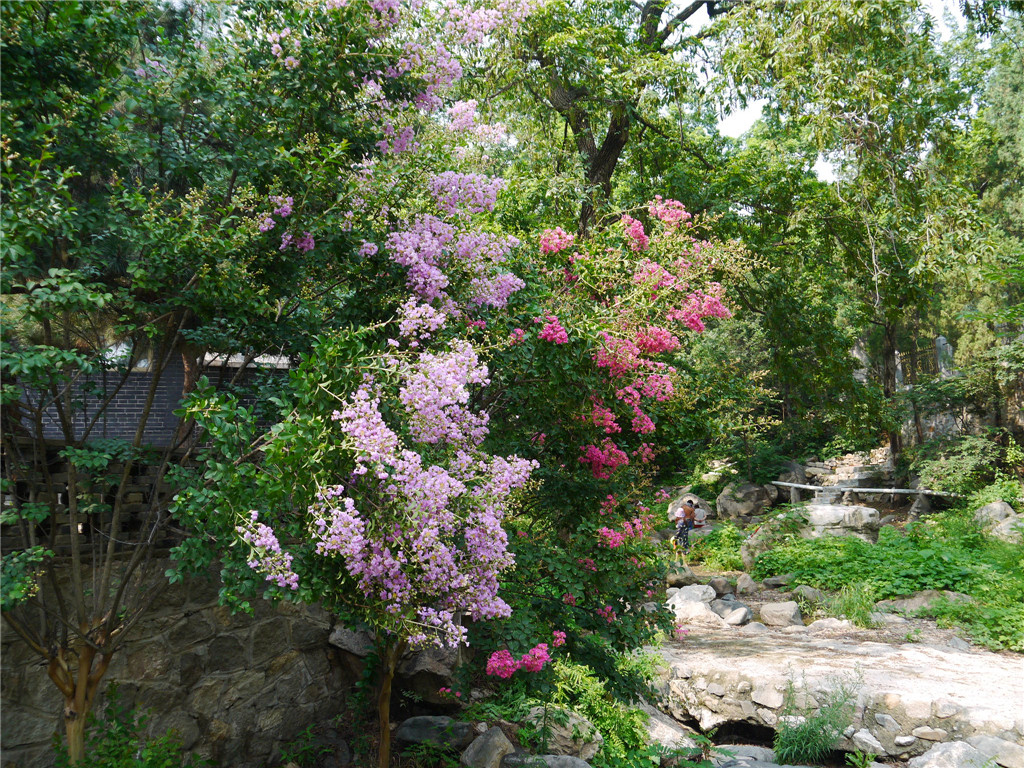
pixel 904 740
pixel 951 754
pixel 1005 753
pixel 751 751
pixel 928 733
pixel 830 624
pixel 742 500
pixel 866 742
pixel 776 582
pixel 810 594
pixel 569 734
pixel 921 507
pixel 959 644
pixel 487 750
pixel 994 512
pixel 722 607
pixel 722 586
pixel 550 761
pixel 793 473
pixel 754 628
pixel 785 614
pixel 745 585
pixel 357 643
pixel 738 616
pixel 888 520
pixel 681 577
pixel 1011 529
pixel 696 614
pixel 888 722
pixel 666 732
pixel 435 729
pixel 840 520
pixel 919 602
pixel 695 593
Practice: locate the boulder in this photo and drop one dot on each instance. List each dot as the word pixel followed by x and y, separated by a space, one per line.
pixel 793 473
pixel 777 582
pixel 681 577
pixel 992 513
pixel 742 500
pixel 722 586
pixel 697 614
pixel 840 520
pixel 921 507
pixel 695 593
pixel 810 594
pixel 745 585
pixel 951 754
pixel 919 602
pixel 435 729
pixel 738 616
pixel 830 624
pixel 359 644
pixel 1011 529
pixel 666 732
pixel 569 734
pixel 425 671
pixel 754 628
pixel 785 614
pixel 487 750
pixel 1005 753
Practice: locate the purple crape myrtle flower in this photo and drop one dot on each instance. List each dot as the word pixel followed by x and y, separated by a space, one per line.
pixel 267 555
pixel 423 538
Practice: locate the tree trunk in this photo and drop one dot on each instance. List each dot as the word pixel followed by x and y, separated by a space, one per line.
pixel 392 656
pixel 74 729
pixel 889 386
pixel 601 168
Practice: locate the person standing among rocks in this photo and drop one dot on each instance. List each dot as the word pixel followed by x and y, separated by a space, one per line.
pixel 686 517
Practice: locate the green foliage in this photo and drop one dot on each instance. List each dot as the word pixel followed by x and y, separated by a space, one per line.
pixel 720 549
pixel 117 740
pixel 949 551
pixel 1003 488
pixel 860 759
pixel 19 573
pixel 959 465
pixel 899 564
pixel 305 749
pixel 804 735
pixel 854 601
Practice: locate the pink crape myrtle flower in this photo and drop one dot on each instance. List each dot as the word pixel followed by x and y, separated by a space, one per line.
pixel 553 331
pixel 502 664
pixel 555 240
pixel 559 638
pixel 535 659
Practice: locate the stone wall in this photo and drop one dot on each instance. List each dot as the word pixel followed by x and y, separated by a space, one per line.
pixel 235 687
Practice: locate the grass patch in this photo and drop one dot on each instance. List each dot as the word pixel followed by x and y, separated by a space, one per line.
pixel 948 551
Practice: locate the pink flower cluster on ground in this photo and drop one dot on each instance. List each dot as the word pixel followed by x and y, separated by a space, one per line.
pixel 555 240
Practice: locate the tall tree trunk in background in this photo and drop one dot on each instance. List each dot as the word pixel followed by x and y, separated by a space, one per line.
pixel 889 386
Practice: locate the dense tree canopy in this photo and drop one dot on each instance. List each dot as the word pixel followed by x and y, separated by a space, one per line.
pixel 517 277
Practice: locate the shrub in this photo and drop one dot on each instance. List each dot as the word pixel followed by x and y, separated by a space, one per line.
pixel 116 739
pixel 804 735
pixel 960 465
pixel 855 601
pixel 720 549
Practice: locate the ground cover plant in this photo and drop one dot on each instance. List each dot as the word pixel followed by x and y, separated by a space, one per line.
pixel 948 551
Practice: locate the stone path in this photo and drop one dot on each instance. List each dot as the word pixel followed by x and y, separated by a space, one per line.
pixel 909 696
